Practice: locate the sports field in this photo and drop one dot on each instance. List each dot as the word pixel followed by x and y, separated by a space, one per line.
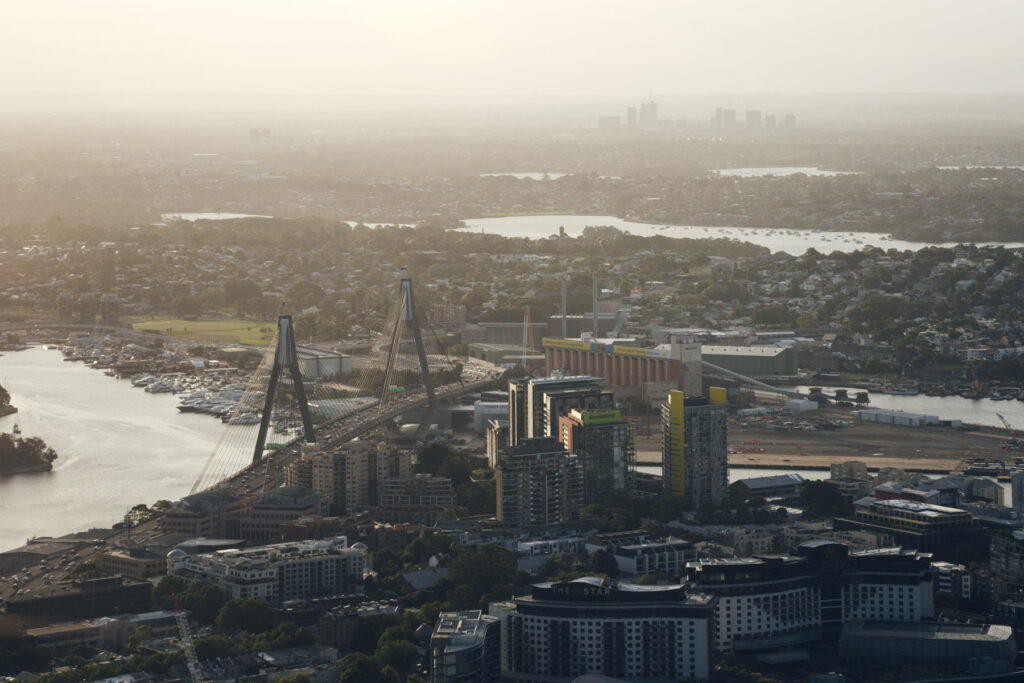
pixel 228 331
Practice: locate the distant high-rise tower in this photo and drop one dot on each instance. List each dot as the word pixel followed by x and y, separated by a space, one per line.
pixel 754 119
pixel 769 122
pixel 631 117
pixel 649 114
pixel 789 123
pixel 694 457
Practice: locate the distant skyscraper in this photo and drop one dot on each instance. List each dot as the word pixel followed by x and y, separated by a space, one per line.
pixel 538 484
pixel 725 118
pixel 754 119
pixel 631 117
pixel 605 447
pixel 694 455
pixel 649 114
pixel 769 122
pixel 789 123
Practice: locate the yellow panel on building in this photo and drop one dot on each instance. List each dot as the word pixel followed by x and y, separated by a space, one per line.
pixel 676 438
pixel 555 343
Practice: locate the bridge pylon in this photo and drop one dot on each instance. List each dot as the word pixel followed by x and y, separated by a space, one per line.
pixel 407 315
pixel 285 357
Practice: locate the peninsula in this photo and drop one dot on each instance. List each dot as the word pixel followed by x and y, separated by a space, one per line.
pixel 21 456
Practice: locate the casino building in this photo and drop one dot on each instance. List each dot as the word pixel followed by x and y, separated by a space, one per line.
pixel 567 629
pixel 772 601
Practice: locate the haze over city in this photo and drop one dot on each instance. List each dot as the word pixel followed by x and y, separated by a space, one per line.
pixel 164 55
pixel 511 341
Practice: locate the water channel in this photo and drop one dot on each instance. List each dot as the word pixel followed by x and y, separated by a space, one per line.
pixel 117 446
pixel 776 239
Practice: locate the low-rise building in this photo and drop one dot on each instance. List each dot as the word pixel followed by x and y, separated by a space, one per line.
pixel 277 507
pixel 913 524
pixel 885 644
pixel 283 571
pixel 775 486
pixel 81 599
pixel 465 647
pixel 668 557
pixel 215 513
pixel 133 562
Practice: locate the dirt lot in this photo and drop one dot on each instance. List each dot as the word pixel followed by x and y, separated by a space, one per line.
pixel 878 445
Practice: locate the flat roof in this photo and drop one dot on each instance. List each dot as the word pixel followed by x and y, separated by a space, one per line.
pixel 766 351
pixel 930 630
pixel 918 507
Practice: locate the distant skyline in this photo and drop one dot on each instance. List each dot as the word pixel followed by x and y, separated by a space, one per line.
pixel 73 54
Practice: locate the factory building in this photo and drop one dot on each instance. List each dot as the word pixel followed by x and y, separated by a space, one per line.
pixel 677 364
pixel 757 362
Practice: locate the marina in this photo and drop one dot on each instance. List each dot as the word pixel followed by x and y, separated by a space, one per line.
pixel 117 446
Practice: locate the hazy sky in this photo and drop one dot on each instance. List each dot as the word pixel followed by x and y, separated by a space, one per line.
pixel 429 52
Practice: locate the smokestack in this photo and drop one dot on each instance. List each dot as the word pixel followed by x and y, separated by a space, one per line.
pixel 595 306
pixel 564 328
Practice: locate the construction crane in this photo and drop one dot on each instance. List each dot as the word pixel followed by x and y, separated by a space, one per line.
pixel 1012 442
pixel 527 335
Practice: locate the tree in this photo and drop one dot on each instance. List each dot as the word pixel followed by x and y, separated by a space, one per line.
pixel 603 562
pixel 821 499
pixel 484 568
pixel 247 614
pixel 296 678
pixel 357 667
pixel 396 653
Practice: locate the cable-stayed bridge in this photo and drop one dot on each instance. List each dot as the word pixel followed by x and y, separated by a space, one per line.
pixel 407 376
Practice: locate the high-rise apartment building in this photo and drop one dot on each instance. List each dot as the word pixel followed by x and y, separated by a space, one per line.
pixel 558 404
pixel 605 448
pixel 348 477
pixel 694 455
pixel 538 484
pixel 416 499
pixel 526 419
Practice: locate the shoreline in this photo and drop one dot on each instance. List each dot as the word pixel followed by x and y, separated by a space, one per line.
pixel 39 468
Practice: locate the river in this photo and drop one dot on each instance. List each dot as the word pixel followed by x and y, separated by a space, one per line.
pixel 981 411
pixel 117 446
pixel 794 242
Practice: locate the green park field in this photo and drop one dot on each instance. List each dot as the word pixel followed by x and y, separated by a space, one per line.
pixel 227 331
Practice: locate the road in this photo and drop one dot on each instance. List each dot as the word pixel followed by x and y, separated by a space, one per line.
pixel 267 474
